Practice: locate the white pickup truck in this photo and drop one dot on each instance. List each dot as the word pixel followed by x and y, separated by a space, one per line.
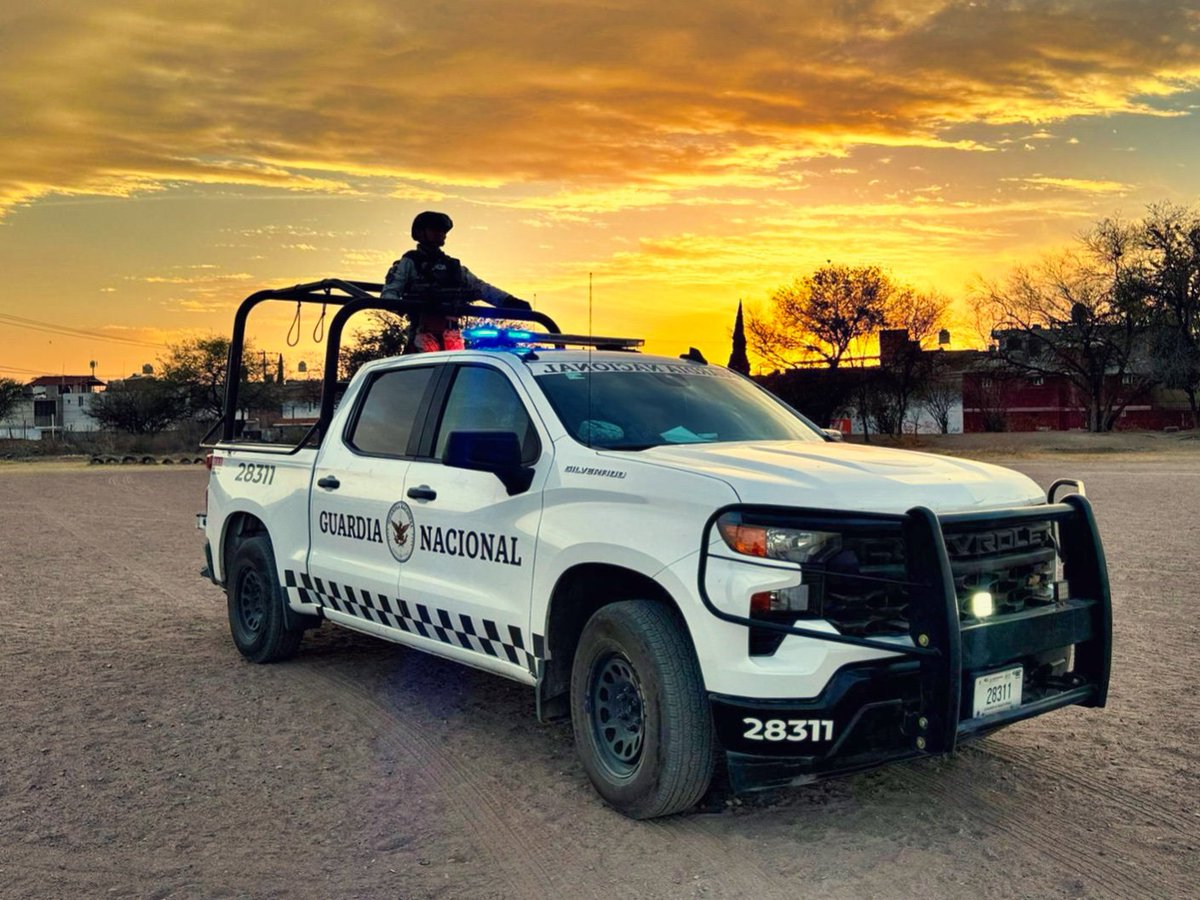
pixel 664 552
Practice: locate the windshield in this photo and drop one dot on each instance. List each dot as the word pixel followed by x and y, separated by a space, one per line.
pixel 635 405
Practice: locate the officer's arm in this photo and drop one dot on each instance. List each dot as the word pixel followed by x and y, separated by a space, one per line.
pixel 490 293
pixel 399 277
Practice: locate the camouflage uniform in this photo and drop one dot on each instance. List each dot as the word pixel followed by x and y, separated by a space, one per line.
pixel 421 273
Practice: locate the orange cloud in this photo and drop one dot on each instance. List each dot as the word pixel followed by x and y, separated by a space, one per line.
pixel 122 97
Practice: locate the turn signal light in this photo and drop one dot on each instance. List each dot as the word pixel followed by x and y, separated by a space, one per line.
pixel 748 539
pixel 793 600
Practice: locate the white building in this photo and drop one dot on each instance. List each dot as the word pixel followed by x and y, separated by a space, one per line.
pixel 55 404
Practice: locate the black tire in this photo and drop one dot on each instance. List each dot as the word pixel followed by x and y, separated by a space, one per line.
pixel 255 599
pixel 642 723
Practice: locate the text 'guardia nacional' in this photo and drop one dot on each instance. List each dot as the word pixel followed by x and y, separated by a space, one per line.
pixel 483 545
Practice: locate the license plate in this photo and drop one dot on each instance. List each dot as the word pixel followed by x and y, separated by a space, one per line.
pixel 998 691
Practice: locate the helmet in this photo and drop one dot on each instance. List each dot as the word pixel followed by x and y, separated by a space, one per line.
pixel 429 219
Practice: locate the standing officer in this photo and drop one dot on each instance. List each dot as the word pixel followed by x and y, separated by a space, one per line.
pixel 427 273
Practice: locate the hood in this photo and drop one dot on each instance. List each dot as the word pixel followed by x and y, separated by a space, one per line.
pixel 851 476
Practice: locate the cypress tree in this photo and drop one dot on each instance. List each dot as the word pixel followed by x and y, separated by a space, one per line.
pixel 737 359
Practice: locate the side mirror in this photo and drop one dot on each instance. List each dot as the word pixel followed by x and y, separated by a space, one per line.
pixel 832 434
pixel 498 452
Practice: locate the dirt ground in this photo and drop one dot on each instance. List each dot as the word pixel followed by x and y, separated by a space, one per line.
pixel 143 758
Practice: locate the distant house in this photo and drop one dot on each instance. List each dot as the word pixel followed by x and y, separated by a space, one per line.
pixel 997 401
pixel 1015 388
pixel 298 409
pixel 972 390
pixel 833 397
pixel 53 404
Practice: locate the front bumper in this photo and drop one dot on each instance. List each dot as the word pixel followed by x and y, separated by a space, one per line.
pixel 921 704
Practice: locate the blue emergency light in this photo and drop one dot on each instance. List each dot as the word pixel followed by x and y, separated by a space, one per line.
pixel 482 337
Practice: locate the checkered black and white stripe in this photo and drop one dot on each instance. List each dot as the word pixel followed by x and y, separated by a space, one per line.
pixel 417 618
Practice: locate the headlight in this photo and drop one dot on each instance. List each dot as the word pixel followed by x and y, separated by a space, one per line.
pixel 854 578
pixel 774 542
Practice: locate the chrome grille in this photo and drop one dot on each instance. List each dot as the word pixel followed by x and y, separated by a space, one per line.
pixel 1017 564
pixel 864 590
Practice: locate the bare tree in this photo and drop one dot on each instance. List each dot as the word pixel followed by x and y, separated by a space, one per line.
pixel 991 391
pixel 821 315
pixel 905 367
pixel 1082 315
pixel 939 396
pixel 1170 236
pixel 921 313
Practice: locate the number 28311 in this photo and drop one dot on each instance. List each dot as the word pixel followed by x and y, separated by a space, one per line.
pixel 788 729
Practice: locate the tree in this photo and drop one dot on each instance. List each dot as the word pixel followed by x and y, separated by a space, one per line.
pixel 991 392
pixel 821 315
pixel 140 405
pixel 941 391
pixel 1170 235
pixel 914 319
pixel 387 336
pixel 1082 315
pixel 197 368
pixel 737 358
pixel 11 392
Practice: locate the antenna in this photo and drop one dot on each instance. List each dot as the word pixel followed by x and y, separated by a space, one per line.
pixel 590 372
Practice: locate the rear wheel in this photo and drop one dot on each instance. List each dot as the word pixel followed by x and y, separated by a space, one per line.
pixel 255 598
pixel 642 723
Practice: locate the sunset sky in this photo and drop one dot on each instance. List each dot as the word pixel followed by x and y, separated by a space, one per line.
pixel 162 160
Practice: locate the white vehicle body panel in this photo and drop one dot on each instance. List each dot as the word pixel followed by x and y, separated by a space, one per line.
pixel 852 477
pixel 283 501
pixel 644 511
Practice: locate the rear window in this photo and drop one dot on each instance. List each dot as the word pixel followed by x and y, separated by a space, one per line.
pixel 388 415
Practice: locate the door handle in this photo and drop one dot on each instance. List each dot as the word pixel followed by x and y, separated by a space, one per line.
pixel 424 492
pixel 329 482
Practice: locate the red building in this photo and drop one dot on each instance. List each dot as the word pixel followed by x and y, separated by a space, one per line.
pixel 995 401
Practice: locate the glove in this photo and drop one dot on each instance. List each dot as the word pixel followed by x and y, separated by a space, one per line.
pixel 516 303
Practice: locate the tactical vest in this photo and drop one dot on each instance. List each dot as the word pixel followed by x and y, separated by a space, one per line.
pixel 436 277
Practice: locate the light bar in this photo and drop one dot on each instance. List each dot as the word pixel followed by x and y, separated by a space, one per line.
pixel 493 336
pixel 592 340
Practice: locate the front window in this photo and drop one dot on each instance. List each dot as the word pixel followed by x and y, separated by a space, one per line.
pixel 635 405
pixel 482 399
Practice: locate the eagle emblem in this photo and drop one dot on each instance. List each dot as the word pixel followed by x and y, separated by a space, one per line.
pixel 400 531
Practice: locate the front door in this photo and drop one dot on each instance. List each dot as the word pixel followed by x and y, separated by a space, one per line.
pixel 470 573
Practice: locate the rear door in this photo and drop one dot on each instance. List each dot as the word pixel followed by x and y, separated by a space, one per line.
pixel 470 570
pixel 359 476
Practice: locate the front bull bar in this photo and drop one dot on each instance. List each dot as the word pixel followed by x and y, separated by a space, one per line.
pixel 937 638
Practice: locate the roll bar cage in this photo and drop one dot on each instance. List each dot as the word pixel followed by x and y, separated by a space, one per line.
pixel 350 297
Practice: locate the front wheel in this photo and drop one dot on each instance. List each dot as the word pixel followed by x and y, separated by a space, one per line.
pixel 256 617
pixel 642 724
